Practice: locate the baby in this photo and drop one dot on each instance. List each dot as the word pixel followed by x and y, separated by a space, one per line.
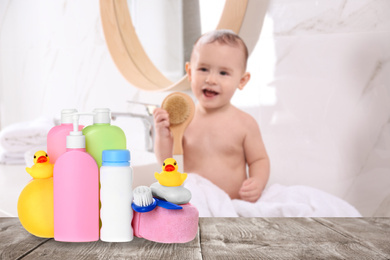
pixel 221 140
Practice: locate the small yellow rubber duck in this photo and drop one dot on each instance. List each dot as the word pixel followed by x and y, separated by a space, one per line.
pixel 36 201
pixel 42 167
pixel 170 176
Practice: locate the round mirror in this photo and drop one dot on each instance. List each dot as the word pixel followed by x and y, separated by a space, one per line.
pixel 167 30
pixel 244 17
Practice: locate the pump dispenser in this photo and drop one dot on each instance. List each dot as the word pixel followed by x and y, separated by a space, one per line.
pixel 102 135
pixel 76 191
pixel 56 138
pixel 75 139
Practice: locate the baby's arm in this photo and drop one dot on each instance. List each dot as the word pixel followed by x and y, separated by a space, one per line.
pixel 163 144
pixel 258 164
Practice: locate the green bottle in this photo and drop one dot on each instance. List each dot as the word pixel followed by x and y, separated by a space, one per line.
pixel 102 135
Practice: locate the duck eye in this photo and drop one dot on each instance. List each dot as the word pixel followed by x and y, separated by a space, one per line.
pixel 175 163
pixel 46 155
pixel 35 156
pixel 163 164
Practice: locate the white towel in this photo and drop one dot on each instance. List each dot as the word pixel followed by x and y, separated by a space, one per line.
pixel 276 201
pixel 11 158
pixel 23 136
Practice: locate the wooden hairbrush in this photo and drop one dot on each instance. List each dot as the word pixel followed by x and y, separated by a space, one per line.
pixel 181 109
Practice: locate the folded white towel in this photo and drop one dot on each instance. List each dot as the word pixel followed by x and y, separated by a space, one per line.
pixel 11 158
pixel 23 136
pixel 276 201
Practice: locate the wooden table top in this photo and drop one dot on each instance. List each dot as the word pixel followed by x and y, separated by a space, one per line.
pixel 222 238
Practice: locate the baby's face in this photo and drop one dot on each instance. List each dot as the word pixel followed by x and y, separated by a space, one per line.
pixel 215 72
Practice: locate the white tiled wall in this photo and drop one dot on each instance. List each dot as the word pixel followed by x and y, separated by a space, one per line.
pixel 320 86
pixel 329 125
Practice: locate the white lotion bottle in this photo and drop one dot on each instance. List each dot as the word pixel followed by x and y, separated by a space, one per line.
pixel 116 195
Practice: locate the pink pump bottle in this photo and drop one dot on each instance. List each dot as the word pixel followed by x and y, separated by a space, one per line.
pixel 56 138
pixel 76 192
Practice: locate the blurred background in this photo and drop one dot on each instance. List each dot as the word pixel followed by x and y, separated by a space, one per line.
pixel 320 86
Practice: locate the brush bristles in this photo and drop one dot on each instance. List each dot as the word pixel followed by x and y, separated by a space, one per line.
pixel 142 196
pixel 177 108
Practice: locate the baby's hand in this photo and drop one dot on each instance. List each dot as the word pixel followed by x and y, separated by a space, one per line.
pixel 161 122
pixel 250 190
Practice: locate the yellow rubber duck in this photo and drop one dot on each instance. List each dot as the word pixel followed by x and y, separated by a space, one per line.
pixel 35 203
pixel 170 176
pixel 42 167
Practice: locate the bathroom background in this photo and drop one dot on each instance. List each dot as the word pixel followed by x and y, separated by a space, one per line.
pixel 320 88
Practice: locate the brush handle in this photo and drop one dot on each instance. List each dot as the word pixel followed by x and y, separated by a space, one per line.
pixel 179 158
pixel 167 205
pixel 177 140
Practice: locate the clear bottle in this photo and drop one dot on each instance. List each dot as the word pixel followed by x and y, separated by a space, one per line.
pixel 56 138
pixel 116 195
pixel 76 192
pixel 102 135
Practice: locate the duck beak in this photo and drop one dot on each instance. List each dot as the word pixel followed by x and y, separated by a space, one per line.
pixel 169 168
pixel 42 159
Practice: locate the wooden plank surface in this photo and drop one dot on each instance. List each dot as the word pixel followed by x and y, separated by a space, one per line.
pixel 223 238
pixel 137 249
pixel 291 238
pixel 373 233
pixel 17 243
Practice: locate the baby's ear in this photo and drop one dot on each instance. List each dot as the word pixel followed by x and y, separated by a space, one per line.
pixel 244 79
pixel 188 70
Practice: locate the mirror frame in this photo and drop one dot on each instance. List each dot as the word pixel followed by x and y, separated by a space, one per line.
pixel 131 58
